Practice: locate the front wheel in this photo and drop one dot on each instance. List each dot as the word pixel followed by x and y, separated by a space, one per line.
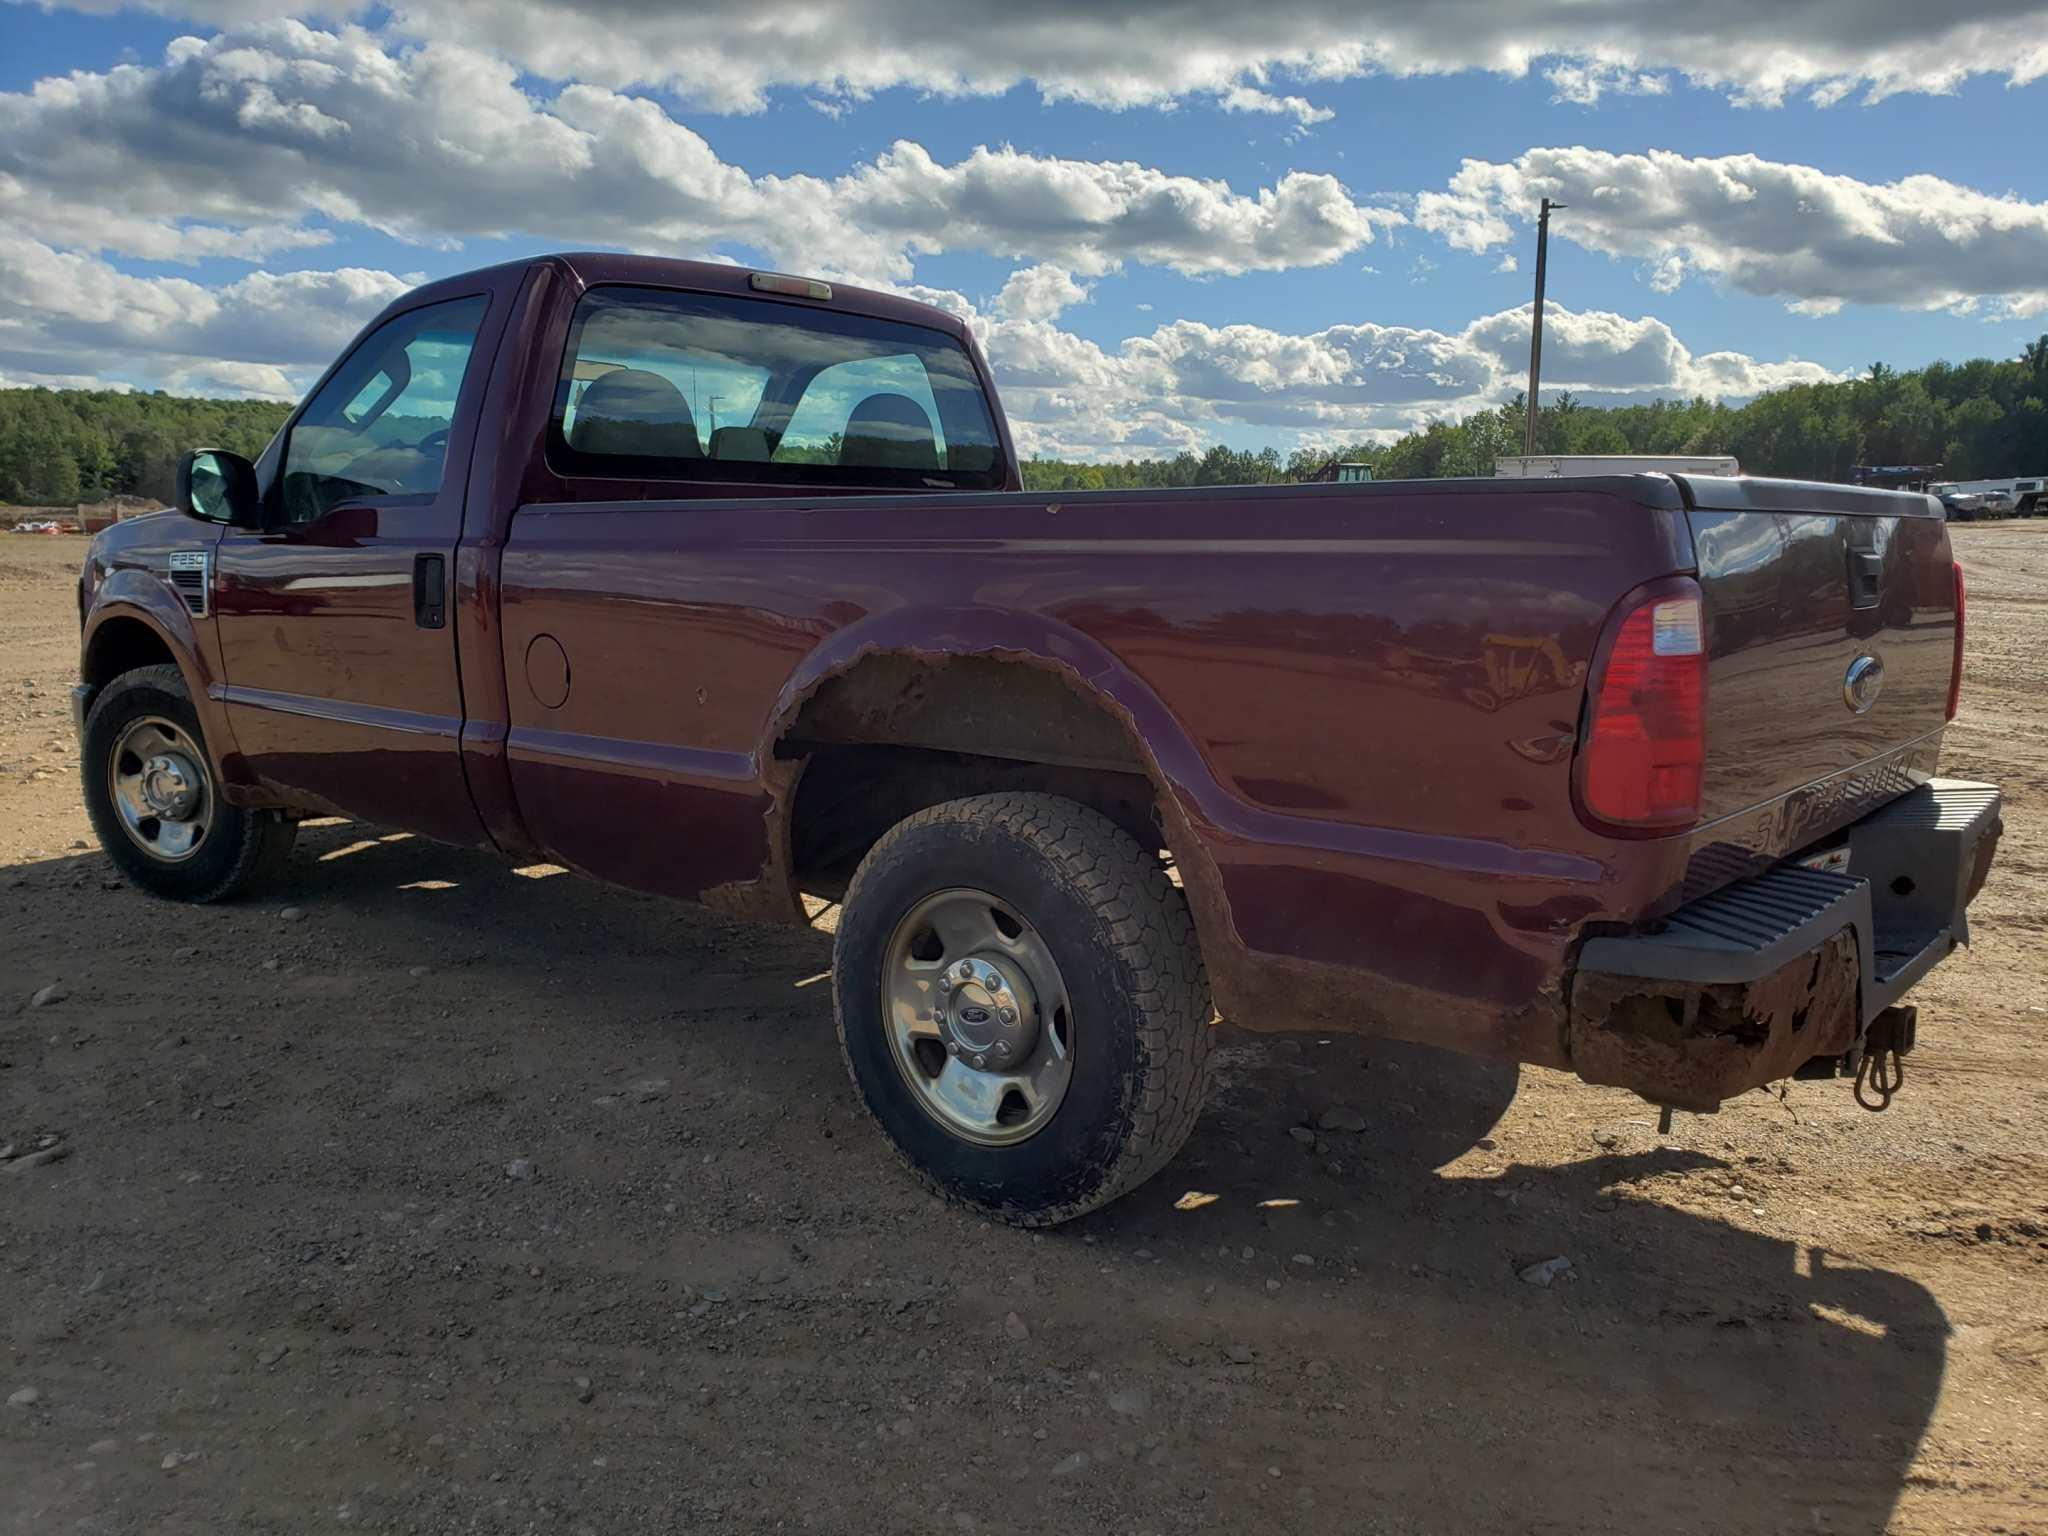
pixel 1022 1004
pixel 153 799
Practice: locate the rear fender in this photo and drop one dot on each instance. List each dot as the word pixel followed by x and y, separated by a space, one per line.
pixel 1158 744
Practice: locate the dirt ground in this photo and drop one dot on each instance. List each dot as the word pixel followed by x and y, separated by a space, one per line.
pixel 280 1279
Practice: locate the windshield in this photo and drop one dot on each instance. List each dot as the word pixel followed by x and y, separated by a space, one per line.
pixel 665 385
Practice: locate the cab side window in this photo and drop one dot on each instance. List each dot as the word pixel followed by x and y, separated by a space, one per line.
pixel 379 427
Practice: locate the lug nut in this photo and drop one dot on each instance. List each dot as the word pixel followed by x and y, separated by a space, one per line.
pixel 952 1047
pixel 945 983
pixel 980 1060
pixel 1002 1050
pixel 1007 1015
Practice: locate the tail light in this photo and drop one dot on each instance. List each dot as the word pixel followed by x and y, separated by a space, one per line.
pixel 1955 671
pixel 1644 748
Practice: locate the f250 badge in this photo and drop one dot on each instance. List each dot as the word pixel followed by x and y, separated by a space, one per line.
pixel 1861 683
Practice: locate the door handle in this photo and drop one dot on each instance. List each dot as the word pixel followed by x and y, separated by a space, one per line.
pixel 429 591
pixel 1866 562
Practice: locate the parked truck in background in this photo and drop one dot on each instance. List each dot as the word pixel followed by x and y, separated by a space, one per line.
pixel 1961 506
pixel 721 585
pixel 2020 496
pixel 1554 466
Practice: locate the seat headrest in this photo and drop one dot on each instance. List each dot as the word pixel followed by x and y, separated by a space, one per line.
pixel 889 432
pixel 749 444
pixel 632 413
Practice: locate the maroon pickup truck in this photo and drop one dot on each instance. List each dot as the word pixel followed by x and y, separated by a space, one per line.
pixel 721 585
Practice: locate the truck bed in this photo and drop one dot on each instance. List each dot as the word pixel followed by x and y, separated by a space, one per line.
pixel 1363 697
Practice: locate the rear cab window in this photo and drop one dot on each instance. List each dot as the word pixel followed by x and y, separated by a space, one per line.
pixel 659 384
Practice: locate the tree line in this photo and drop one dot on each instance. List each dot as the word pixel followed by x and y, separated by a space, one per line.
pixel 1981 419
pixel 61 446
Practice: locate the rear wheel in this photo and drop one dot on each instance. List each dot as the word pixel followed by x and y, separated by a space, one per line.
pixel 153 799
pixel 1022 1004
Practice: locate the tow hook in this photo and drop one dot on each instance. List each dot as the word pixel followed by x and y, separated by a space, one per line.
pixel 1886 1044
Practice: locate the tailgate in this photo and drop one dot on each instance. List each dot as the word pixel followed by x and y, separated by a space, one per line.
pixel 1831 638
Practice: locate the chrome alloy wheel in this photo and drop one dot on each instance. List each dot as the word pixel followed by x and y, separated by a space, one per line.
pixel 978 1017
pixel 161 789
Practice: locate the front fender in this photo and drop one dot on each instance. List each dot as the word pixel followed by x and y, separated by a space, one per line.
pixel 140 597
pixel 127 601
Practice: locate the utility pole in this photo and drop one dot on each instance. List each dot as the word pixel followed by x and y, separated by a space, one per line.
pixel 1536 323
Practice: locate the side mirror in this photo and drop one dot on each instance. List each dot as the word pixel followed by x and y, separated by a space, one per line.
pixel 216 486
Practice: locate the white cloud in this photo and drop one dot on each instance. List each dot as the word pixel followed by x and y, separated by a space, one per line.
pixel 1585 83
pixel 268 333
pixel 727 55
pixel 1090 215
pixel 1186 384
pixel 1667 275
pixel 1246 98
pixel 1788 231
pixel 261 381
pixel 1595 352
pixel 251 139
pixel 1039 293
pixel 13 380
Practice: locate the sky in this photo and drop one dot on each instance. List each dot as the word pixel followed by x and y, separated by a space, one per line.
pixel 1171 222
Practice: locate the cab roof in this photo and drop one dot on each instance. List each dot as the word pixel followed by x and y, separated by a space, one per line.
pixel 587 269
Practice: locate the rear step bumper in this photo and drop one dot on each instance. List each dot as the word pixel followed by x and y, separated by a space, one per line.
pixel 1748 985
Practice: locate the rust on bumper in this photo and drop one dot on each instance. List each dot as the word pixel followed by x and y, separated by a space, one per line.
pixel 1786 970
pixel 1692 1045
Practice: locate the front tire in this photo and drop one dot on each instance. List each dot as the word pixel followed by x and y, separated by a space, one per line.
pixel 1022 1004
pixel 155 801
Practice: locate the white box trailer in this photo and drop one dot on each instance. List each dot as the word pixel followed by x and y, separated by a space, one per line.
pixel 1548 466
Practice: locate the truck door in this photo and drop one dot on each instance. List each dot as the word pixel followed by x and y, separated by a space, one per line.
pixel 342 688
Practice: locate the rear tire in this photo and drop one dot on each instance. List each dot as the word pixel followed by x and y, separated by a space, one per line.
pixel 1081 913
pixel 196 847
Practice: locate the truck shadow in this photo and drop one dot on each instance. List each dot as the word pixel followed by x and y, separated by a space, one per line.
pixel 1683 1372
pixel 1670 1348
